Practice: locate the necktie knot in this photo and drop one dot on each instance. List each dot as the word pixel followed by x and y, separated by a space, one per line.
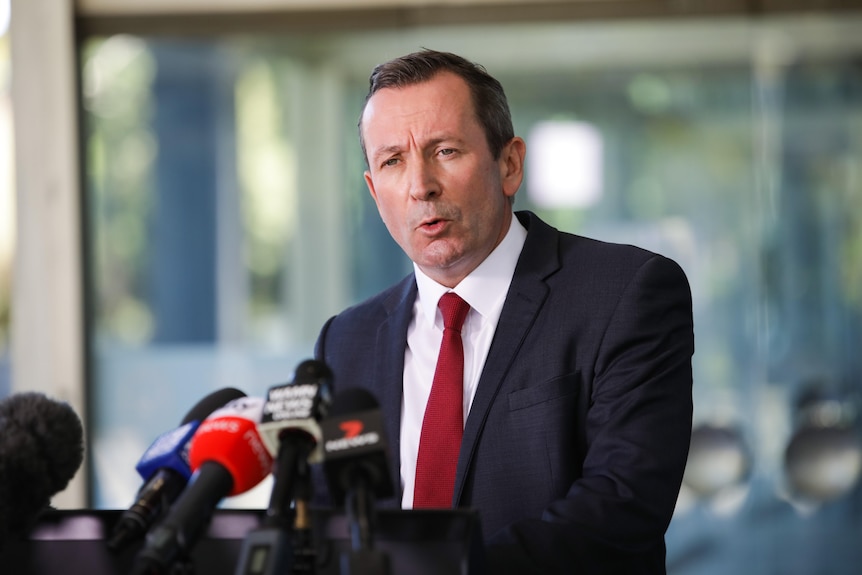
pixel 454 311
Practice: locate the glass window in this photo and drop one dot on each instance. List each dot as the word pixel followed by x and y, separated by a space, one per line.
pixel 228 219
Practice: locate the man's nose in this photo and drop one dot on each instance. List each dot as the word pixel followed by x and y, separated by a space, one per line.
pixel 422 180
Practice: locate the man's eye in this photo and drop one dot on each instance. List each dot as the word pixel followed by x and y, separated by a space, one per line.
pixel 447 151
pixel 390 162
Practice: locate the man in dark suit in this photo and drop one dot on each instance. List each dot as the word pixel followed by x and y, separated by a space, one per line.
pixel 576 353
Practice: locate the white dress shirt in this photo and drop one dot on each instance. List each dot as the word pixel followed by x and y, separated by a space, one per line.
pixel 485 290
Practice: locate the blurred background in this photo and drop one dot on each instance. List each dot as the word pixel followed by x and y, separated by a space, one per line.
pixel 182 206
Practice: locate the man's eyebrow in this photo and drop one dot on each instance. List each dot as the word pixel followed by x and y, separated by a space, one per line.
pixel 432 142
pixel 385 151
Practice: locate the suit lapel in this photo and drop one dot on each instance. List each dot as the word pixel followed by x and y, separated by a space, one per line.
pixel 528 291
pixel 389 368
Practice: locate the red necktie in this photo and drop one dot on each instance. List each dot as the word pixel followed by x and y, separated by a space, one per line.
pixel 443 424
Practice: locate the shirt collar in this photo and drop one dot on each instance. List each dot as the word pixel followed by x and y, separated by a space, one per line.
pixel 486 286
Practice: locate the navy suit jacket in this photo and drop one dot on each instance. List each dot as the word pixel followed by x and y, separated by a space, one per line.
pixel 577 438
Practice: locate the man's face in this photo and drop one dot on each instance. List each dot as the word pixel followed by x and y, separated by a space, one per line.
pixel 441 194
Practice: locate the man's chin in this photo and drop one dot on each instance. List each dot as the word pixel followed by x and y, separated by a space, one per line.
pixel 448 271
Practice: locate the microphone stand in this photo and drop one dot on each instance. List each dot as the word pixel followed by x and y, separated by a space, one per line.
pixel 305 556
pixel 362 559
pixel 172 540
pixel 270 549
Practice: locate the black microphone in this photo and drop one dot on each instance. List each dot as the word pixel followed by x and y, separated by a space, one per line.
pixel 357 472
pixel 165 468
pixel 41 449
pixel 290 427
pixel 228 457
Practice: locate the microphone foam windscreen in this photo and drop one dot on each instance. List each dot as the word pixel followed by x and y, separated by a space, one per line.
pixel 355 444
pixel 41 449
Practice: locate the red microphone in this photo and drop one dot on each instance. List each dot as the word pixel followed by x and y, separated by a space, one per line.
pixel 229 438
pixel 228 457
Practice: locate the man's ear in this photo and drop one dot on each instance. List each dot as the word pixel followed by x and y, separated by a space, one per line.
pixel 370 183
pixel 512 165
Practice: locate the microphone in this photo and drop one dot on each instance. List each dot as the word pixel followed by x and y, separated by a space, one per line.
pixel 227 457
pixel 357 471
pixel 165 468
pixel 290 427
pixel 41 449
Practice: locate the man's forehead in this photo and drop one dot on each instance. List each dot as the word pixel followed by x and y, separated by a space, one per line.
pixel 410 102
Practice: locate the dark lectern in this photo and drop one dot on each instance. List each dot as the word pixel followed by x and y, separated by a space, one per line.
pixel 426 542
pixel 418 542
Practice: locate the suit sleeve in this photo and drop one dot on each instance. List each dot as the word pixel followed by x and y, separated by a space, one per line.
pixel 637 430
